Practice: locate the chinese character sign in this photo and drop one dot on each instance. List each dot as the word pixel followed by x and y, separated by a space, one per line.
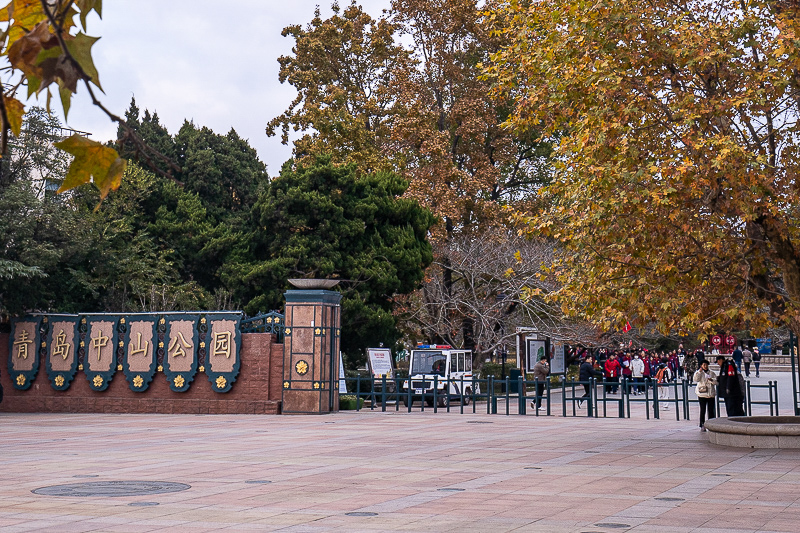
pixel 23 351
pixel 223 350
pixel 181 344
pixel 138 344
pixel 62 350
pixel 101 347
pixel 141 342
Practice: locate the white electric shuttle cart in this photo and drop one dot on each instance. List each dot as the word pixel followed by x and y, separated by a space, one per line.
pixel 441 367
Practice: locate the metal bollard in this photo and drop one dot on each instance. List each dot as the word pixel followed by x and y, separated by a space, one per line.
pixel 383 394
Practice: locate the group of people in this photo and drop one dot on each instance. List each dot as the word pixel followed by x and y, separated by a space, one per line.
pixel 636 366
pixel 663 367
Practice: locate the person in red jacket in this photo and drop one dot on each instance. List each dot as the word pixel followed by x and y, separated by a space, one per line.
pixel 627 374
pixel 612 372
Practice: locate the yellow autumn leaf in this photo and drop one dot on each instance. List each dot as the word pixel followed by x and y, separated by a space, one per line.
pixel 14 111
pixel 93 162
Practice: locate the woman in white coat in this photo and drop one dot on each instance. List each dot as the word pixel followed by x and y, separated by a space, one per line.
pixel 706 390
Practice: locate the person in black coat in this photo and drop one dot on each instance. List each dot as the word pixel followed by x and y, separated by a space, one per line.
pixel 585 374
pixel 730 387
pixel 735 391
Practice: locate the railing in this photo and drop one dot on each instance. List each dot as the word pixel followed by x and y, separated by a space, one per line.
pixel 272 322
pixel 388 393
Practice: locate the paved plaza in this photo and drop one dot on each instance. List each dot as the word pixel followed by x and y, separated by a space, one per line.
pixel 373 471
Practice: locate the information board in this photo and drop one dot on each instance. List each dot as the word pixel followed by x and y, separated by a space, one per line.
pixel 380 362
pixel 557 357
pixel 342 382
pixel 536 350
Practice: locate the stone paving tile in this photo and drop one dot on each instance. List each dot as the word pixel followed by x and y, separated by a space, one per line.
pixel 392 464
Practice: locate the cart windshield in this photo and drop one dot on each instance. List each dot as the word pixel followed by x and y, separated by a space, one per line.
pixel 428 362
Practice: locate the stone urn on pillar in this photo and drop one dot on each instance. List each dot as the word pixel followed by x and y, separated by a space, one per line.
pixel 311 347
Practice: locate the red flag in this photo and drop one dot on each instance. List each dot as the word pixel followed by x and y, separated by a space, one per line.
pixel 627 327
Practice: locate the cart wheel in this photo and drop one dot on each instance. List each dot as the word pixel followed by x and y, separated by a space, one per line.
pixel 466 397
pixel 429 402
pixel 405 401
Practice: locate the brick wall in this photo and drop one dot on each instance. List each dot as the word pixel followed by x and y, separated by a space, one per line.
pixel 257 389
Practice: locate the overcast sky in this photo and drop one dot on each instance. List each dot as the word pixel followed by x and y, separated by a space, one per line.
pixel 214 63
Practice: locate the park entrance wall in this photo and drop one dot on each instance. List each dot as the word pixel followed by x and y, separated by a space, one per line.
pixel 187 363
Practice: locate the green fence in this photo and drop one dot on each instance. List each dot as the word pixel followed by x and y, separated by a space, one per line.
pixel 594 398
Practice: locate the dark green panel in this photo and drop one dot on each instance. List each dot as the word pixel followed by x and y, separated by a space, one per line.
pixel 221 381
pixel 24 351
pixel 140 349
pixel 61 355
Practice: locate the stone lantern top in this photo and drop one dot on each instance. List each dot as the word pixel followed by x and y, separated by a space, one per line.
pixel 311 284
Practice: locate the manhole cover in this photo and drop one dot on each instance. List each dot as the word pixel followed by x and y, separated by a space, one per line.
pixel 448 489
pixel 361 513
pixel 613 525
pixel 479 422
pixel 666 499
pixel 590 451
pixel 532 468
pixel 85 475
pixel 142 504
pixel 112 488
pixel 258 481
pixel 721 475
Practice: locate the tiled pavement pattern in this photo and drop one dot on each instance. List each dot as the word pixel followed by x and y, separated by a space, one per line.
pixel 547 474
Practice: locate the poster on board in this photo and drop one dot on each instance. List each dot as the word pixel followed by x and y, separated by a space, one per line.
pixel 536 350
pixel 342 382
pixel 380 362
pixel 557 357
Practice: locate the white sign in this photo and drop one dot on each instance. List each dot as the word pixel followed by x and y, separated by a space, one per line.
pixel 557 363
pixel 380 362
pixel 342 382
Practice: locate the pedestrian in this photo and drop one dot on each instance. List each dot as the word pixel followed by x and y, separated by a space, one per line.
pixel 690 364
pixel 540 372
pixel 673 363
pixel 627 373
pixel 612 372
pixel 585 375
pixel 700 355
pixel 637 371
pixel 737 358
pixel 747 358
pixel 681 353
pixel 757 360
pixel 731 387
pixel 706 391
pixel 663 377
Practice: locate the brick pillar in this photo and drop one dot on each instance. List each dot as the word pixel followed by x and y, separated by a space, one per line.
pixel 311 352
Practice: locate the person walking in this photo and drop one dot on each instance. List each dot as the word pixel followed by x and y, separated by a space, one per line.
pixel 737 358
pixel 681 353
pixel 663 377
pixel 706 391
pixel 700 355
pixel 637 371
pixel 626 373
pixel 734 388
pixel 540 372
pixel 757 360
pixel 612 372
pixel 585 375
pixel 690 365
pixel 747 359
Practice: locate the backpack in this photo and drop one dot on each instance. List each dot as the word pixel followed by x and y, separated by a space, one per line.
pixel 661 375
